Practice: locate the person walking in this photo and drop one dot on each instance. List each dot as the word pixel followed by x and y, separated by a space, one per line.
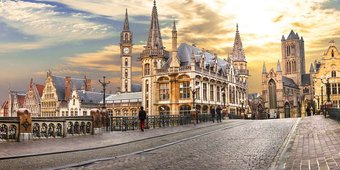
pixel 219 114
pixel 142 117
pixel 212 112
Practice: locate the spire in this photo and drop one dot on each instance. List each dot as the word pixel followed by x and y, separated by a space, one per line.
pixel 283 38
pixel 278 69
pixel 238 53
pixel 264 70
pixel 311 69
pixel 155 38
pixel 174 37
pixel 31 83
pixel 126 23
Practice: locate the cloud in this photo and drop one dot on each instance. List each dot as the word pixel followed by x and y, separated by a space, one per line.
pixel 50 26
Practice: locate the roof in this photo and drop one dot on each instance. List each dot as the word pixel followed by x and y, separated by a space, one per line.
pixel 38 90
pixel 305 79
pixel 124 97
pixel 136 88
pixel 292 35
pixel 59 83
pixel 185 52
pixel 90 97
pixel 289 82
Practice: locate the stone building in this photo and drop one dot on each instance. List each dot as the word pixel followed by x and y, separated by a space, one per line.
pixel 15 101
pixel 58 91
pixel 81 103
pixel 327 68
pixel 4 109
pixel 33 98
pixel 170 78
pixel 286 92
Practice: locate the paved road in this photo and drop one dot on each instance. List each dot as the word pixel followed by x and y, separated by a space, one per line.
pixel 253 145
pixel 315 145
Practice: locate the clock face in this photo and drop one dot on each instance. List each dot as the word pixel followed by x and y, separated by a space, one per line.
pixel 126 50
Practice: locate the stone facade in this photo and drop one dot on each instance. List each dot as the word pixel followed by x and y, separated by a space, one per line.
pixel 287 92
pixel 33 98
pixel 57 93
pixel 170 78
pixel 328 67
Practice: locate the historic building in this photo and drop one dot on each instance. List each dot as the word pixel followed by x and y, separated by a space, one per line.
pixel 327 68
pixel 173 82
pixel 58 91
pixel 81 103
pixel 287 92
pixel 15 101
pixel 4 109
pixel 33 98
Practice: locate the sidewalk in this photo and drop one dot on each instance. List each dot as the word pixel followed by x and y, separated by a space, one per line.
pixel 315 145
pixel 45 146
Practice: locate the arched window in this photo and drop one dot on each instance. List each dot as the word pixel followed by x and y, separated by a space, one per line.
pixel 164 110
pixel 126 62
pixel 74 102
pixel 272 94
pixel 147 86
pixel 184 110
pixel 126 73
pixel 332 53
pixel 126 36
pixel 333 73
pixel 147 69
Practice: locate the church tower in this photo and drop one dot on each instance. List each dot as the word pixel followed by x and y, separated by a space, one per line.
pixel 153 57
pixel 126 56
pixel 293 56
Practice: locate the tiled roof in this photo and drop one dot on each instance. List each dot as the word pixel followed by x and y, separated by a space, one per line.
pixel 88 97
pixel 289 82
pixel 136 88
pixel 59 83
pixel 292 35
pixel 305 79
pixel 124 97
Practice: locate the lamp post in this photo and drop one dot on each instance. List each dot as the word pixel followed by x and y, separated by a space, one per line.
pixel 104 84
pixel 242 101
pixel 223 97
pixel 328 92
pixel 194 91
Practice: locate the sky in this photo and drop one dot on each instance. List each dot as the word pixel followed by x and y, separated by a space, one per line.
pixel 81 37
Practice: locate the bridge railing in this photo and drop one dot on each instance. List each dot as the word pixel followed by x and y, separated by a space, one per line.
pixel 334 113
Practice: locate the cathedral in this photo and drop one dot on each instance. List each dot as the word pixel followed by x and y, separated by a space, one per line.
pixel 287 91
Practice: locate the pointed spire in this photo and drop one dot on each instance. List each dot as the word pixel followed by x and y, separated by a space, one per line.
pixel 174 37
pixel 278 69
pixel 283 38
pixel 155 38
pixel 174 26
pixel 31 83
pixel 264 70
pixel 302 38
pixel 238 53
pixel 311 69
pixel 126 23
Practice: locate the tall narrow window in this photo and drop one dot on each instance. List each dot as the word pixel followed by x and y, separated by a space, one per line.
pixel 184 90
pixel 198 93
pixel 334 90
pixel 212 92
pixel 126 73
pixel 147 69
pixel 332 53
pixel 218 95
pixel 126 62
pixel 164 91
pixel 147 86
pixel 205 91
pixel 272 95
pixel 333 73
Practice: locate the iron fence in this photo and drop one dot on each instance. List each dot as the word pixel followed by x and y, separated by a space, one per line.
pixel 334 113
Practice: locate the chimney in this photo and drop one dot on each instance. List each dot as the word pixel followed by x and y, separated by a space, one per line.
pixel 67 88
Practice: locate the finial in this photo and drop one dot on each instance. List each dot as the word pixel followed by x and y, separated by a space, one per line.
pixel 174 25
pixel 237 27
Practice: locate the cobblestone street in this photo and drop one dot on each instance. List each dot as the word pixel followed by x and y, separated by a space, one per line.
pixel 315 145
pixel 250 146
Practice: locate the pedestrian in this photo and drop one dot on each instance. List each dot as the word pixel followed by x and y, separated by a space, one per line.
pixel 212 112
pixel 219 114
pixel 142 117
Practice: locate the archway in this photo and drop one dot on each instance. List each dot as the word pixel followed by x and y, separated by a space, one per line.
pixel 287 110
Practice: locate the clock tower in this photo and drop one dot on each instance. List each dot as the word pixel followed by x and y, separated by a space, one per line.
pixel 126 56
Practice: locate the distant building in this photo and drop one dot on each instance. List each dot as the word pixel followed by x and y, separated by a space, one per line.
pixel 4 109
pixel 124 104
pixel 328 67
pixel 33 98
pixel 287 92
pixel 81 103
pixel 58 92
pixel 15 101
pixel 256 106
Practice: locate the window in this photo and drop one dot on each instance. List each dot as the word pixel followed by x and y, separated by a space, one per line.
pixel 126 73
pixel 147 86
pixel 339 88
pixel 147 69
pixel 212 92
pixel 306 90
pixel 333 73
pixel 184 90
pixel 272 94
pixel 74 102
pixel 332 53
pixel 126 62
pixel 198 90
pixel 164 91
pixel 184 110
pixel 218 95
pixel 205 91
pixel 334 90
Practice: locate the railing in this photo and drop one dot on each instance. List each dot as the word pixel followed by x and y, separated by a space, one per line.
pixel 9 129
pixel 334 113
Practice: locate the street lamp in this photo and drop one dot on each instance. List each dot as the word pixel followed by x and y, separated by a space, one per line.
pixel 223 96
pixel 194 91
pixel 328 90
pixel 242 102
